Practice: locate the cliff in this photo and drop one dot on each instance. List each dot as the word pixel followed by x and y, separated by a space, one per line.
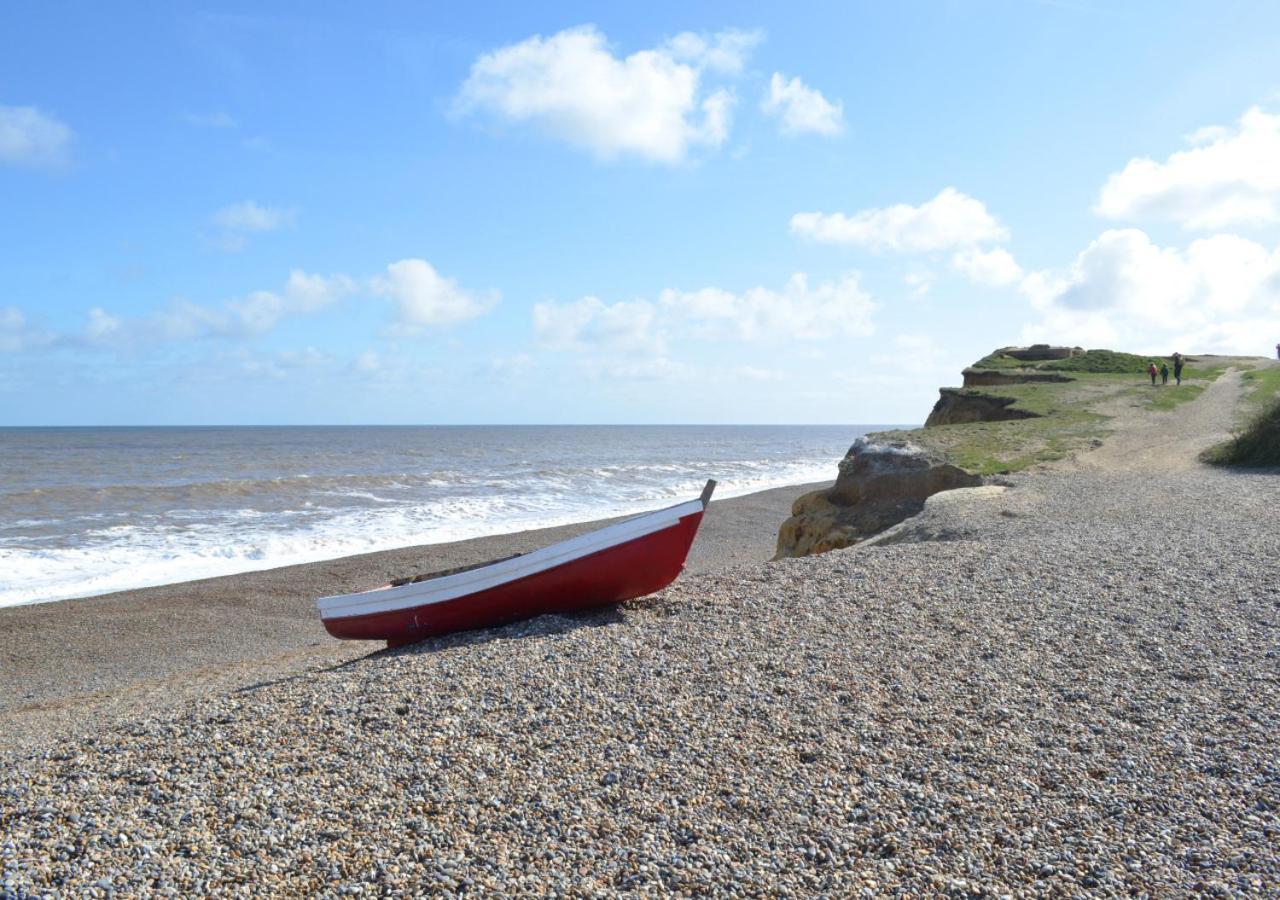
pixel 1050 402
pixel 957 406
pixel 974 377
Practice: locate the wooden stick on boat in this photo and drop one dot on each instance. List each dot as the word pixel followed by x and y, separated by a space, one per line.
pixel 707 491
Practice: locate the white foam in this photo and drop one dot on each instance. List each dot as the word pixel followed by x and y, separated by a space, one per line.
pixel 122 557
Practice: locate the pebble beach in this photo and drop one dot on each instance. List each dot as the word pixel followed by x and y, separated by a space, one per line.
pixel 1067 687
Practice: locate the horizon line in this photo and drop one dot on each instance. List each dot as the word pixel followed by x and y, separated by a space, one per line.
pixel 498 425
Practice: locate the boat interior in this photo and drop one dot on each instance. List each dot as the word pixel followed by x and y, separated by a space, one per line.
pixel 414 579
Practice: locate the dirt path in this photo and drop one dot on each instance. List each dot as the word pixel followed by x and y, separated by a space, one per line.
pixel 1146 440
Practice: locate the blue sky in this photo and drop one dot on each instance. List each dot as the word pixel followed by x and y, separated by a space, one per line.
pixel 399 212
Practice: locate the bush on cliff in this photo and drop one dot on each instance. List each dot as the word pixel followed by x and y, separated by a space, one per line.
pixel 1257 444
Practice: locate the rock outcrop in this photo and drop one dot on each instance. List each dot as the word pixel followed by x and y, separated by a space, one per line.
pixel 957 406
pixel 988 377
pixel 880 485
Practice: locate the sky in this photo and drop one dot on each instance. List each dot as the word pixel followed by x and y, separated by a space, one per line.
pixel 385 213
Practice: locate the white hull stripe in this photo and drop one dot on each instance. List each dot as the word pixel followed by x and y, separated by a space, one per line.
pixel 451 587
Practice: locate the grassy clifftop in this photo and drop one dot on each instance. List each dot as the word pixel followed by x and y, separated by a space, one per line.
pixel 1066 414
pixel 1102 362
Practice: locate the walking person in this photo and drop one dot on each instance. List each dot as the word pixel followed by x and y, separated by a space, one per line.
pixel 1153 372
pixel 1177 368
pixel 1164 373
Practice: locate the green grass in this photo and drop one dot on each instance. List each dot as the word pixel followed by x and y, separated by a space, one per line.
pixel 1095 362
pixel 1194 380
pixel 1202 372
pixel 1101 362
pixel 1169 396
pixel 1064 423
pixel 996 448
pixel 1165 397
pixel 1040 398
pixel 1261 385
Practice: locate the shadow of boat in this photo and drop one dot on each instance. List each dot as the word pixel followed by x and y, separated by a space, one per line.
pixel 549 625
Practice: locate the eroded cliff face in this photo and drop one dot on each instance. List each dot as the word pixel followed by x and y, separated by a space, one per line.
pixel 880 485
pixel 957 406
pixel 987 377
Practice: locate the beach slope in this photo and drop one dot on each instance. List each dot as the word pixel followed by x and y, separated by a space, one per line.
pixel 1074 693
pixel 73 664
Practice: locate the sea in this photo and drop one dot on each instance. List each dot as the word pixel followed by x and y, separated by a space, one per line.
pixel 87 511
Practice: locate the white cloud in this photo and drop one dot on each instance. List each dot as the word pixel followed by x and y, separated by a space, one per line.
pixel 650 104
pixel 629 340
pixel 302 294
pixel 102 327
pixel 29 137
pixel 183 319
pixel 950 220
pixel 726 51
pixel 923 353
pixel 1219 293
pixel 590 324
pixel 423 298
pixel 254 314
pixel 248 216
pixel 309 293
pixel 994 268
pixel 921 282
pixel 797 312
pixel 281 364
pixel 1229 177
pixel 15 333
pixel 801 109
pixel 426 299
pixel 1207 135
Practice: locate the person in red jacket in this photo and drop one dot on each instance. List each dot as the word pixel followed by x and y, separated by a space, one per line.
pixel 1153 372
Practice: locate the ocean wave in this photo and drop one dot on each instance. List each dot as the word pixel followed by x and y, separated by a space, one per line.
pixel 21 524
pixel 221 489
pixel 208 543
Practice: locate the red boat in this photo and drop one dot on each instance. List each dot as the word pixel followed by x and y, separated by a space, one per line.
pixel 616 563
